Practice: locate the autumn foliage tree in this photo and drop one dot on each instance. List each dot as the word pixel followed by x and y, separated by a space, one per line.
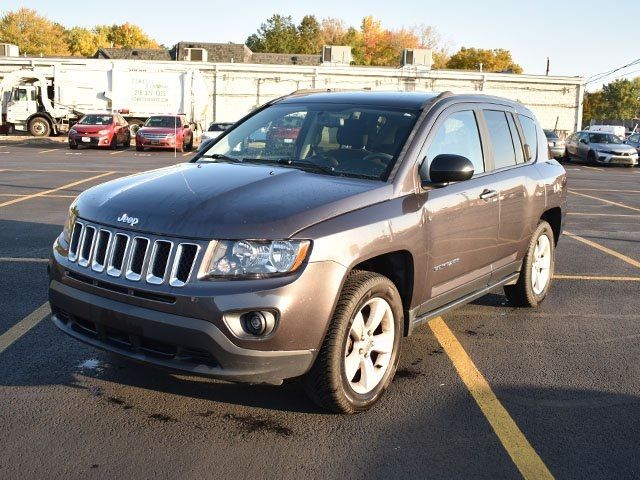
pixel 618 100
pixel 498 60
pixel 33 33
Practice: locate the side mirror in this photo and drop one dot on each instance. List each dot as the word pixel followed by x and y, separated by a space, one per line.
pixel 445 169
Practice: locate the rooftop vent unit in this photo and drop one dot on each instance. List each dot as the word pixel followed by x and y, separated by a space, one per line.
pixel 195 55
pixel 336 55
pixel 417 56
pixel 8 50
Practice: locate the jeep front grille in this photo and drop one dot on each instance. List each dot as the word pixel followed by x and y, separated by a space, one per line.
pixel 135 258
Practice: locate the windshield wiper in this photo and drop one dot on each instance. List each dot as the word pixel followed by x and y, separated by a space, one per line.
pixel 314 167
pixel 222 156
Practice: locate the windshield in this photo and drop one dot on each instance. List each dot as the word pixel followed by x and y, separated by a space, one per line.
pixel 345 140
pixel 96 120
pixel 603 138
pixel 551 134
pixel 219 127
pixel 162 122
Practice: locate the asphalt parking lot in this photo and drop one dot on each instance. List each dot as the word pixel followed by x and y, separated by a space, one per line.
pixel 488 391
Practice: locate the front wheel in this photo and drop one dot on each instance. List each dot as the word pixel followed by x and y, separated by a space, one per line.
pixel 591 158
pixel 39 127
pixel 360 352
pixel 537 270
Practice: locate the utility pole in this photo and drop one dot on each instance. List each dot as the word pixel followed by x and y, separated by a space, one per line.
pixel 547 67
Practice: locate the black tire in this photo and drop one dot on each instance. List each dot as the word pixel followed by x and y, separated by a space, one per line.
pixel 139 148
pixel 114 142
pixel 189 146
pixel 591 158
pixel 566 157
pixel 73 146
pixel 326 383
pixel 39 127
pixel 522 294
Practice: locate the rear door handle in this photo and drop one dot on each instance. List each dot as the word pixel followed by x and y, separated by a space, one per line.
pixel 487 194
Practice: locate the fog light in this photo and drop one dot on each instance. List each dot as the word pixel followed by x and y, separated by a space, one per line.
pixel 254 323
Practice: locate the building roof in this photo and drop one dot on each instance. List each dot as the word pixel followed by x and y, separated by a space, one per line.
pixel 133 53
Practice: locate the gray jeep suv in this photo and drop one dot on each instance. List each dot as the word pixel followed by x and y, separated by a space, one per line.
pixel 313 235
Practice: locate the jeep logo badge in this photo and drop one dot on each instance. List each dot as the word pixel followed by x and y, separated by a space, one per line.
pixel 124 218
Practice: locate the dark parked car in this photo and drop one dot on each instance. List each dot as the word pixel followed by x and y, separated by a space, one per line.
pixel 555 144
pixel 634 141
pixel 600 148
pixel 259 261
pixel 100 130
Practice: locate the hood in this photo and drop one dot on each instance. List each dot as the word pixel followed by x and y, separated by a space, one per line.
pixel 159 130
pixel 226 201
pixel 90 128
pixel 612 147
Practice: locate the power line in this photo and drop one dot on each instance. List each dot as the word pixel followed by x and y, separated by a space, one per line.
pixel 602 75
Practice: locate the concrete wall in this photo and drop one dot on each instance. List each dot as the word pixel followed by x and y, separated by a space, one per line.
pixel 234 89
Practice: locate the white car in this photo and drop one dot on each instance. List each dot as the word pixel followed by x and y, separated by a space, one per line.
pixel 214 131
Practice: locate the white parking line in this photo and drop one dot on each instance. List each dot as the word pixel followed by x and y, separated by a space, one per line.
pixel 50 150
pixel 23 260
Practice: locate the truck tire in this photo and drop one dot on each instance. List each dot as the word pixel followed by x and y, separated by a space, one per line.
pixel 360 351
pixel 39 127
pixel 537 270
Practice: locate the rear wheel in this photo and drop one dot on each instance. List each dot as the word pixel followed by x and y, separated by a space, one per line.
pixel 591 157
pixel 537 270
pixel 39 127
pixel 139 148
pixel 360 352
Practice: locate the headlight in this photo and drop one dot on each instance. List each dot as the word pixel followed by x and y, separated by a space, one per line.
pixel 171 135
pixel 252 258
pixel 103 132
pixel 69 223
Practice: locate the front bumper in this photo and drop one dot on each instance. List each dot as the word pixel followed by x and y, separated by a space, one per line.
pixel 557 152
pixel 610 159
pixel 94 140
pixel 189 333
pixel 158 143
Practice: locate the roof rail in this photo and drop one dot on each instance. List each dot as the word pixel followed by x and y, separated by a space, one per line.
pixel 440 96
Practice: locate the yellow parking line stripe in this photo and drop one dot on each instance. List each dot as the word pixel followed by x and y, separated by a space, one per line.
pixel 50 150
pixel 23 326
pixel 25 195
pixel 601 190
pixel 604 249
pixel 513 440
pixel 605 201
pixel 23 260
pixel 597 278
pixel 604 214
pixel 54 170
pixel 186 154
pixel 46 192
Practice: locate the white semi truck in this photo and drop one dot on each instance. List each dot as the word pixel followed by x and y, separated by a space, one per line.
pixel 46 99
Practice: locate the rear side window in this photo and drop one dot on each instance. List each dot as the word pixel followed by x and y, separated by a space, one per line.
pixel 515 136
pixel 504 154
pixel 530 135
pixel 458 135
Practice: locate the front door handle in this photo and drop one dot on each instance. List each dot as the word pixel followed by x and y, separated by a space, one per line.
pixel 487 194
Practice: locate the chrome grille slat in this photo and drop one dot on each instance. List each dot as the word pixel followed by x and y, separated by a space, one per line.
pixel 75 241
pixel 86 245
pixel 137 257
pixel 159 261
pixel 183 264
pixel 156 261
pixel 101 250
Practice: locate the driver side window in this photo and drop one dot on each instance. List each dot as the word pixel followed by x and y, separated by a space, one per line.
pixel 458 135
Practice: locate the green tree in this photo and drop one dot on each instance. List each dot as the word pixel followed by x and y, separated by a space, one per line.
pixel 308 40
pixel 497 60
pixel 277 35
pixel 622 99
pixel 33 33
pixel 593 106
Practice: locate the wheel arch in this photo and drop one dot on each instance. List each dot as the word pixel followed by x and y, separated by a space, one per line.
pixel 397 266
pixel 553 217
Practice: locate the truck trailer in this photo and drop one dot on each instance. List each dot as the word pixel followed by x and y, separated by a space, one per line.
pixel 48 99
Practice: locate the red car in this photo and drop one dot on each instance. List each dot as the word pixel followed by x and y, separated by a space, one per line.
pixel 100 130
pixel 165 131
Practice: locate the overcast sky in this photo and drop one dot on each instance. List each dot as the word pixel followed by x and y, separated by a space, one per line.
pixel 581 38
